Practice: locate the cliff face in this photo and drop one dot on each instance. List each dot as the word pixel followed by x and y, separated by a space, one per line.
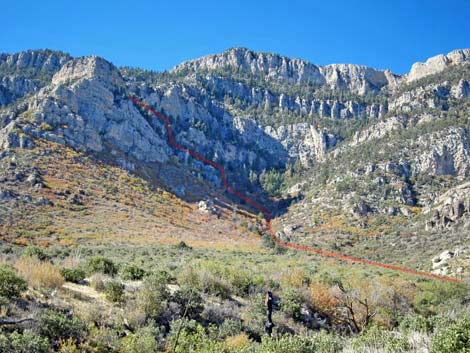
pixel 26 72
pixel 437 64
pixel 355 78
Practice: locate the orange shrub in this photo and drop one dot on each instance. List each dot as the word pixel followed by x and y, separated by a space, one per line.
pixel 322 298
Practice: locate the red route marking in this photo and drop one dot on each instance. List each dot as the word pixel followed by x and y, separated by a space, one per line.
pixel 266 214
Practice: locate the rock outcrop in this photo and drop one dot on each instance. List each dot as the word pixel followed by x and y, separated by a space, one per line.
pixel 451 207
pixel 26 72
pixel 437 64
pixel 355 78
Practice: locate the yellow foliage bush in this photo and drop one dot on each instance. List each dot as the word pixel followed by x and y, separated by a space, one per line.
pixel 237 342
pixel 39 274
pixel 295 278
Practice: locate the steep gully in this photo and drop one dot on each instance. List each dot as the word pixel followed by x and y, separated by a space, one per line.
pixel 266 213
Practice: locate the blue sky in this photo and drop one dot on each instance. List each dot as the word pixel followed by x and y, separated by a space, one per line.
pixel 160 34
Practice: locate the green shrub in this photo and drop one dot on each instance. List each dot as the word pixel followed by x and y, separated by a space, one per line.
pixel 291 344
pixel 272 181
pixel 98 282
pixel 143 341
pixel 190 301
pixel 101 340
pixel 11 286
pixel 455 338
pixel 74 275
pixel 192 338
pixel 35 251
pixel 55 326
pixel 114 291
pixel 27 342
pixel 416 323
pixel 267 241
pixel 100 264
pixel 154 295
pixel 132 273
pixel 376 338
pixel 327 343
pixel 230 328
pixel 435 297
pixel 183 246
pixel 291 305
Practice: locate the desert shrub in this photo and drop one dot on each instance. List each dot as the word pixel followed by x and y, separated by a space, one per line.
pixel 254 315
pixel 438 296
pixel 243 280
pixel 190 302
pixel 39 274
pixel 291 305
pixel 291 344
pixel 183 246
pixel 154 295
pixel 143 341
pixel 114 291
pixel 455 338
pixel 35 251
pixel 132 273
pixel 100 264
pixel 323 342
pixel 230 328
pixel 295 278
pixel 26 342
pixel 98 282
pixel 237 343
pixel 220 279
pixel 327 343
pixel 56 326
pixel 11 286
pixel 101 340
pixel 206 278
pixel 267 241
pixel 74 275
pixel 192 338
pixel 68 346
pixel 359 301
pixel 376 338
pixel 416 323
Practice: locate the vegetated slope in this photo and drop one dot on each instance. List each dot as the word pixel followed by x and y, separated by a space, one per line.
pixel 53 195
pixel 354 151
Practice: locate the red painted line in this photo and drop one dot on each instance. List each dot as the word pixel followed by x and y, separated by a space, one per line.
pixel 267 216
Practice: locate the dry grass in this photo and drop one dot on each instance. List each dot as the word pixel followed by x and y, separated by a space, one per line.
pixel 39 274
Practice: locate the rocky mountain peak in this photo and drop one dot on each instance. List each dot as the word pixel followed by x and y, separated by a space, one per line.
pixel 438 63
pixel 44 60
pixel 90 67
pixel 274 67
